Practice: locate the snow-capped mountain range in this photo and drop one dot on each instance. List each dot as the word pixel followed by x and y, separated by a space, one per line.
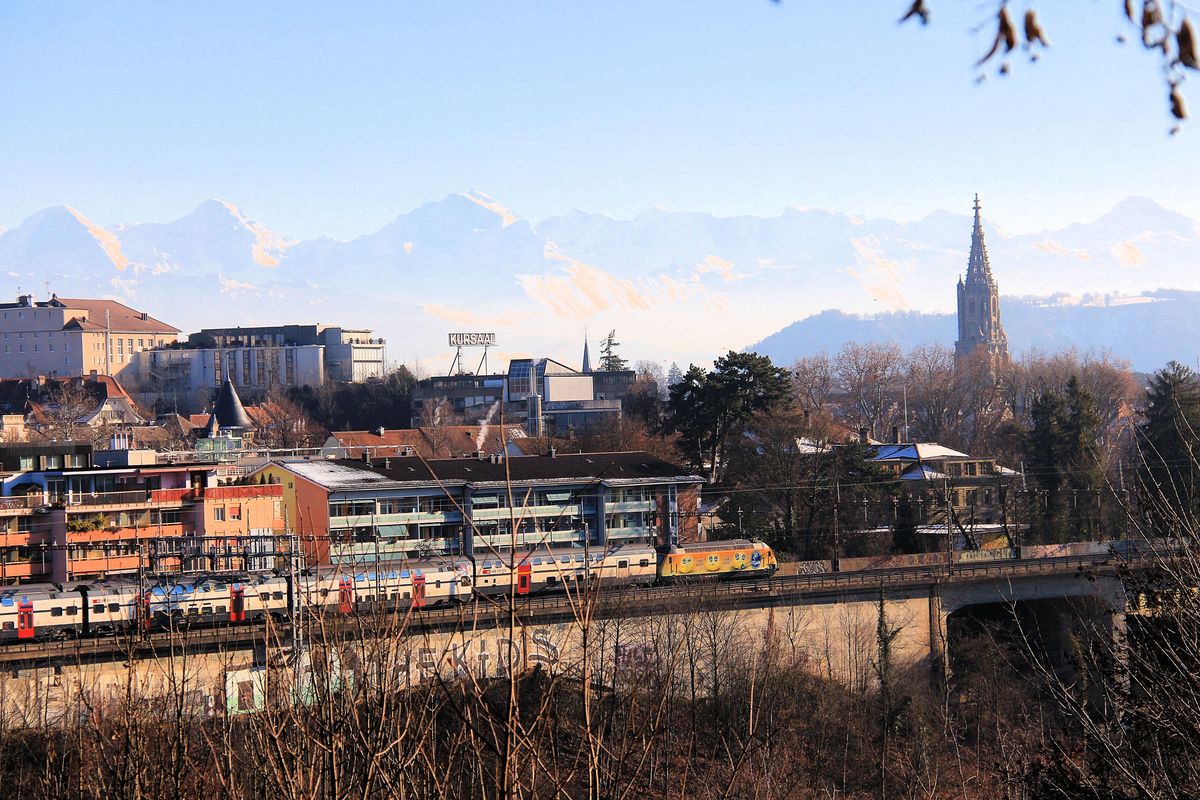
pixel 679 286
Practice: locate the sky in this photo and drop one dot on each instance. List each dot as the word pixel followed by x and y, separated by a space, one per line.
pixel 331 118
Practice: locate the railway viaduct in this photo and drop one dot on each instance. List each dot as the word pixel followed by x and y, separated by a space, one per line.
pixel 827 622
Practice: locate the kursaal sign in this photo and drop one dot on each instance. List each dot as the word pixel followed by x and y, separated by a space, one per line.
pixel 472 340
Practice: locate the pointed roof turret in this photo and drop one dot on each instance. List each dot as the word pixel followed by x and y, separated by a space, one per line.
pixel 587 359
pixel 978 268
pixel 229 411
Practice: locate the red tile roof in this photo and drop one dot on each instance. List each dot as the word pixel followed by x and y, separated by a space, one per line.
pixel 443 441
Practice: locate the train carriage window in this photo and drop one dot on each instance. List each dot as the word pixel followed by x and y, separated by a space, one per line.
pixel 278 595
pixel 72 610
pixel 437 584
pixel 406 595
pixel 622 564
pixel 114 607
pixel 8 626
pixel 56 611
pixel 324 592
pixel 193 611
pixel 265 596
pixel 98 608
pixel 206 610
pixel 645 562
pixel 551 580
pixel 220 609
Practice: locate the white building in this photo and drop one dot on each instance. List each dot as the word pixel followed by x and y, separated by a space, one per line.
pixel 63 337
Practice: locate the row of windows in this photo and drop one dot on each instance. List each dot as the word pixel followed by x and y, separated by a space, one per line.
pixel 220 514
pixel 52 462
pixel 37 348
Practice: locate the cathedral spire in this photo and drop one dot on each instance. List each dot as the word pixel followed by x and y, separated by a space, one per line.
pixel 979 327
pixel 587 360
pixel 978 268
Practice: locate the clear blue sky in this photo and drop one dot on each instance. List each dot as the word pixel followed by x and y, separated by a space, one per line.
pixel 332 117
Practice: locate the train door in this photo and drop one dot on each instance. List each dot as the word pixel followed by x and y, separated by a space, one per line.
pixel 142 612
pixel 418 591
pixel 524 578
pixel 25 620
pixel 237 603
pixel 345 595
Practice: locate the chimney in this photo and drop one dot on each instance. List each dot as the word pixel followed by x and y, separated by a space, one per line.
pixel 862 435
pixel 896 434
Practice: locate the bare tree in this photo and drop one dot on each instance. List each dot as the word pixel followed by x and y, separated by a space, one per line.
pixel 869 375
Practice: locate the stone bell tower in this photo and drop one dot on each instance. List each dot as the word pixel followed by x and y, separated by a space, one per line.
pixel 979 325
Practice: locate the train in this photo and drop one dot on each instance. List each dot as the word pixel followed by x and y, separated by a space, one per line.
pixel 34 612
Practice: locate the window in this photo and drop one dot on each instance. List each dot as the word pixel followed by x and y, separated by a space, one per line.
pixel 72 611
pixel 219 513
pixel 98 608
pixel 622 564
pixel 8 626
pixel 277 595
pixel 220 609
pixel 26 462
pixel 265 596
pixel 235 512
pixel 114 607
pixel 56 611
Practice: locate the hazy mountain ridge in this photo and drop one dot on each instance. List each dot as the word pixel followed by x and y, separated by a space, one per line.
pixel 1148 334
pixel 677 285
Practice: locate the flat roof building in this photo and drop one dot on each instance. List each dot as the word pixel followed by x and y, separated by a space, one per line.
pixel 356 511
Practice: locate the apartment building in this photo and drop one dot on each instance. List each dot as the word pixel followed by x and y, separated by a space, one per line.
pixel 68 337
pixel 67 513
pixel 350 511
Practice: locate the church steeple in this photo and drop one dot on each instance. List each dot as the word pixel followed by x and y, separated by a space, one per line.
pixel 587 359
pixel 979 325
pixel 978 268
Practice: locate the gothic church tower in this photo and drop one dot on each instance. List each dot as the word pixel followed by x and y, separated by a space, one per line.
pixel 979 325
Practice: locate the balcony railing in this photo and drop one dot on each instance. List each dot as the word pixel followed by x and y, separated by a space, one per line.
pixel 122 498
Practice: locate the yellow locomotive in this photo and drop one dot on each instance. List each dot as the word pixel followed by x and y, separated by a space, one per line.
pixel 730 558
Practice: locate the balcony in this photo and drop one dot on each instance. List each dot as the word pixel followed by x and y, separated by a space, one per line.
pixel 531 539
pixel 380 520
pixel 125 534
pixel 126 499
pixel 24 539
pixel 363 553
pixel 23 569
pixel 630 533
pixel 632 506
pixel 526 512
pixel 122 563
pixel 20 503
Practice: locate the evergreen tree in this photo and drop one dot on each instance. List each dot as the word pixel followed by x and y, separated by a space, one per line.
pixel 1044 461
pixel 1170 436
pixel 674 375
pixel 609 360
pixel 709 407
pixel 1080 453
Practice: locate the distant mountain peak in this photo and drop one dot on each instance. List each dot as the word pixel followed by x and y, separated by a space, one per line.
pixel 107 240
pixel 483 200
